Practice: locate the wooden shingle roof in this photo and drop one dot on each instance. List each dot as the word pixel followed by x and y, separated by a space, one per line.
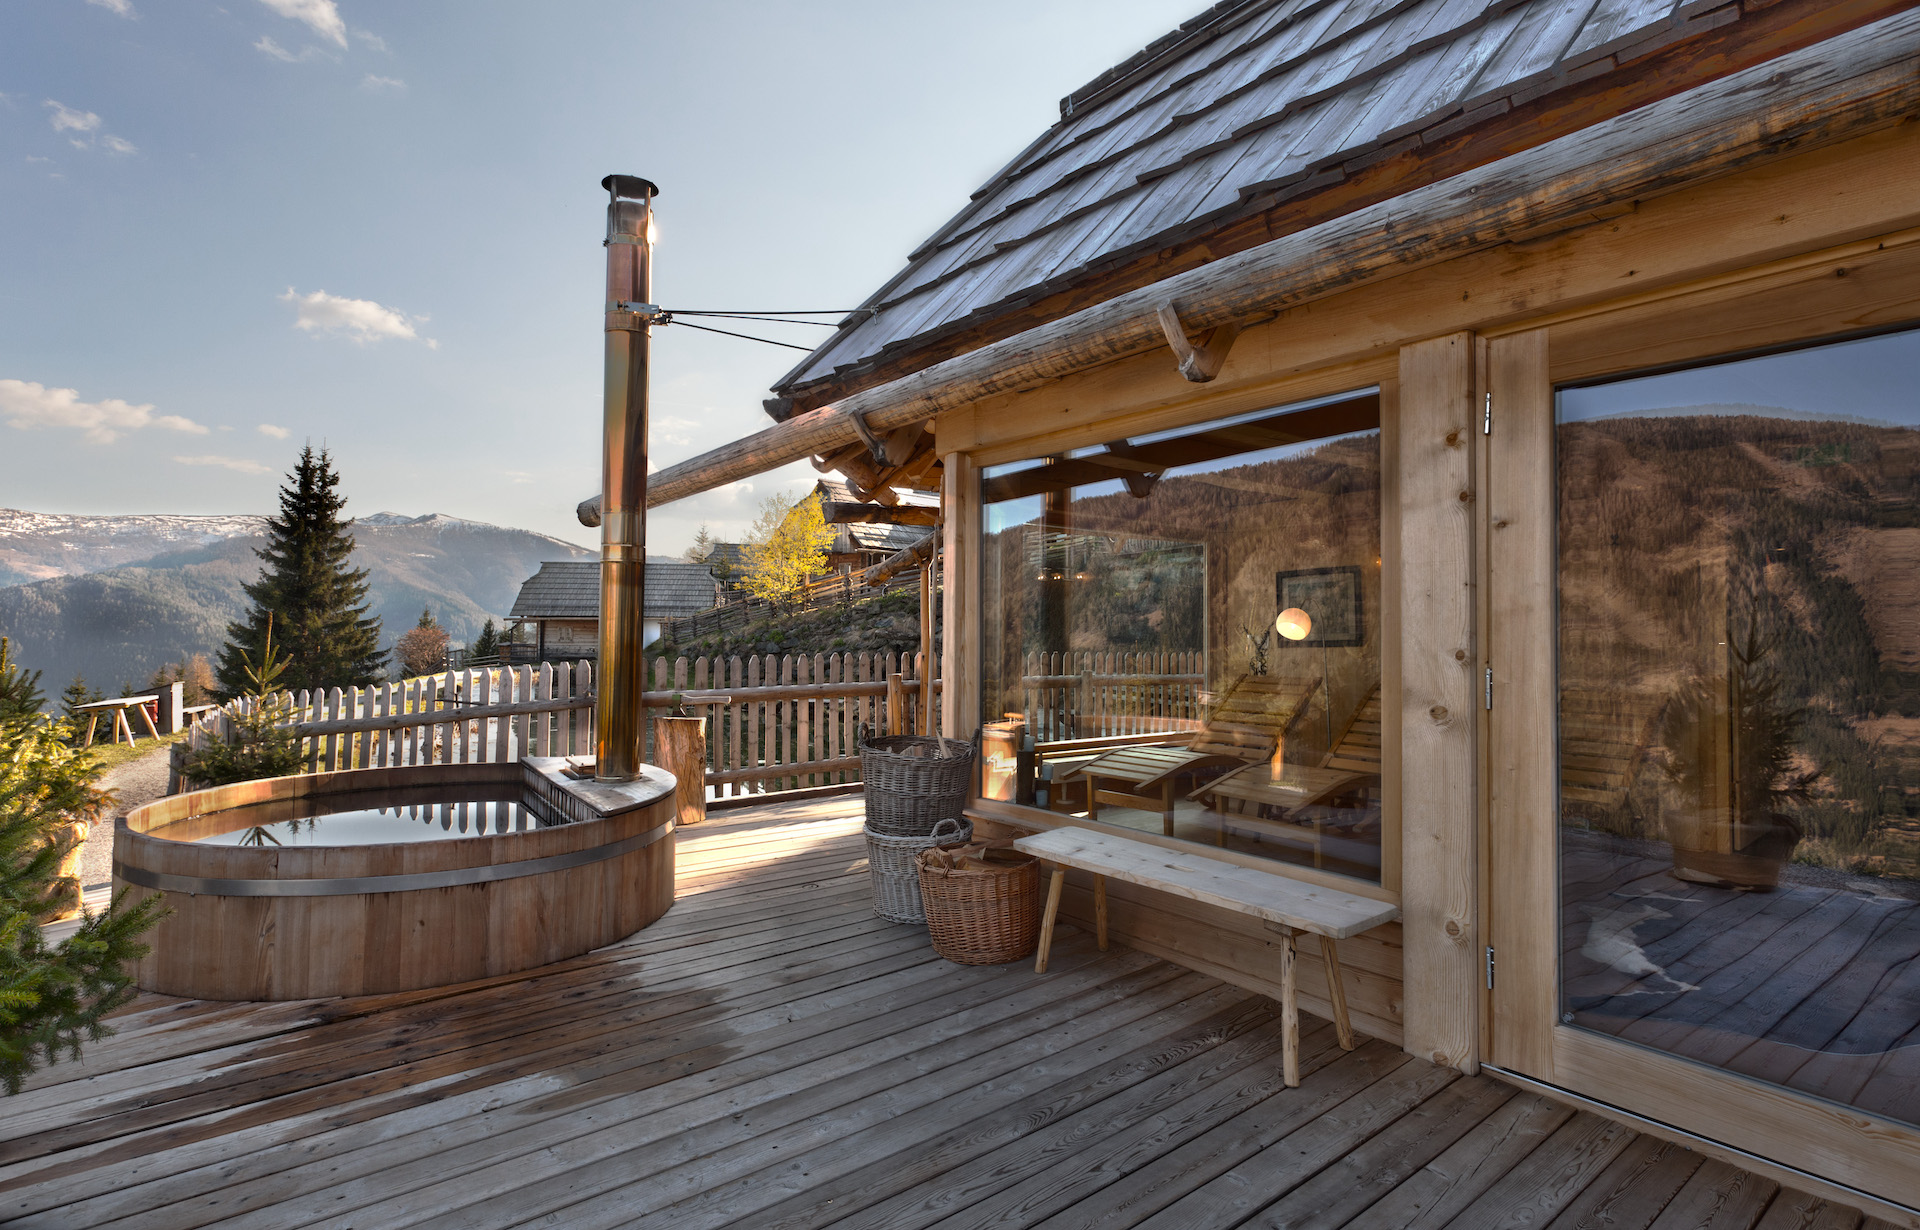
pixel 1250 109
pixel 570 589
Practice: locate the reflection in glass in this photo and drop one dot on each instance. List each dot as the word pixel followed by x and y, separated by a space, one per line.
pixel 1739 598
pixel 1180 633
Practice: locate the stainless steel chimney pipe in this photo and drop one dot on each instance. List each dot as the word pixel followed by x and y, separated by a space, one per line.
pixel 618 713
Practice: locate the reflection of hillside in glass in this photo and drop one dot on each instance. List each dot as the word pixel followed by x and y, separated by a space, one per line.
pixel 1739 602
pixel 1122 590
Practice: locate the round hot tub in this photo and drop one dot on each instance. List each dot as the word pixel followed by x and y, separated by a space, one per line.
pixel 377 880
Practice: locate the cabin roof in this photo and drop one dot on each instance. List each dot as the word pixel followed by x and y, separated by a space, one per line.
pixel 1250 104
pixel 570 589
pixel 867 536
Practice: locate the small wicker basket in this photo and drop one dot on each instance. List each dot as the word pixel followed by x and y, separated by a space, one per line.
pixel 982 902
pixel 894 870
pixel 912 782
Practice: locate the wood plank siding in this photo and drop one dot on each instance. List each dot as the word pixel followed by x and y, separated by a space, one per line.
pixel 770 1054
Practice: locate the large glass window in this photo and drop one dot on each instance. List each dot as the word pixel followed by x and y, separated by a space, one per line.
pixel 1739 726
pixel 1181 633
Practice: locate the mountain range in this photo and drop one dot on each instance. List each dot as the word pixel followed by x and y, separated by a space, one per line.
pixel 116 597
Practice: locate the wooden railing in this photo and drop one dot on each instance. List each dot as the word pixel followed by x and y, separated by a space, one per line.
pixel 1087 695
pixel 778 722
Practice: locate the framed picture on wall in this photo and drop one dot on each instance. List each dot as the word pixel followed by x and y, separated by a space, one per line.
pixel 1331 598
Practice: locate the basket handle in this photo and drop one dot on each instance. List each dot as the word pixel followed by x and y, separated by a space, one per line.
pixel 948 828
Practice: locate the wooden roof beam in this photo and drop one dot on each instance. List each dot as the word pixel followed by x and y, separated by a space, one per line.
pixel 897 563
pixel 879 514
pixel 1848 86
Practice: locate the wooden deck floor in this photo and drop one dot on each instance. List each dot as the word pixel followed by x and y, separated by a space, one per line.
pixel 771 1055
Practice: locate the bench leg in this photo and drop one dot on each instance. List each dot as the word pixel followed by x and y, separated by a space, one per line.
pixel 1093 798
pixel 1289 1015
pixel 1100 910
pixel 1166 806
pixel 93 719
pixel 1337 992
pixel 1046 920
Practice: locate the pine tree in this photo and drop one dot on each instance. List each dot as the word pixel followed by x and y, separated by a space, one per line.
pixel 51 998
pixel 702 545
pixel 487 644
pixel 263 743
pixel 78 693
pixel 319 603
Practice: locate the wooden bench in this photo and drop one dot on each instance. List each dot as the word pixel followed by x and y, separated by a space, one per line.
pixel 1286 907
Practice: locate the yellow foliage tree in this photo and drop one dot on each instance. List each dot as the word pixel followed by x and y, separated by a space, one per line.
pixel 786 547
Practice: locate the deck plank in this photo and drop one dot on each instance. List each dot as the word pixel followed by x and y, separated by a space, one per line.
pixel 771 1054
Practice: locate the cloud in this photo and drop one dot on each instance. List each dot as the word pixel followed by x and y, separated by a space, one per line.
pixel 382 84
pixel 27 405
pixel 363 320
pixel 119 8
pixel 66 119
pixel 372 40
pixel 268 429
pixel 240 464
pixel 322 16
pixel 85 124
pixel 271 48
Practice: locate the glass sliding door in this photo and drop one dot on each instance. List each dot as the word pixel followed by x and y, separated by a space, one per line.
pixel 1181 634
pixel 1738 598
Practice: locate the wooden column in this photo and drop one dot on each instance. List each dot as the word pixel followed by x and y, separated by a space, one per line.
pixel 925 668
pixel 1522 791
pixel 680 746
pixel 959 577
pixel 1441 696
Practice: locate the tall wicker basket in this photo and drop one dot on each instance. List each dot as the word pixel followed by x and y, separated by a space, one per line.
pixel 912 782
pixel 894 870
pixel 982 903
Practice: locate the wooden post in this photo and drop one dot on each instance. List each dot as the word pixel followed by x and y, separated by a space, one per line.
pixel 960 546
pixel 926 647
pixel 896 704
pixel 1440 701
pixel 680 745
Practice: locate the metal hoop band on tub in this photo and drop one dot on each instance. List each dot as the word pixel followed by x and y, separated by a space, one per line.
pixel 167 882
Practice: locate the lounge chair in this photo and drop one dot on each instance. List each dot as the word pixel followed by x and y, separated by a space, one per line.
pixel 1244 725
pixel 1301 801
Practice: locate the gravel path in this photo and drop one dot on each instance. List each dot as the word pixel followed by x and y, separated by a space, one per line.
pixel 135 783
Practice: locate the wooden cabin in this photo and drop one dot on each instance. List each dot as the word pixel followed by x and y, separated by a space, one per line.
pixel 860 545
pixel 557 613
pixel 1473 448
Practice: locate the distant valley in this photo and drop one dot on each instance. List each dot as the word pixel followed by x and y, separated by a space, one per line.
pixel 116 597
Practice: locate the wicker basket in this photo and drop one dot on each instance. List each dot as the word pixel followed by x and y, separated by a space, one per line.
pixel 893 867
pixel 982 903
pixel 912 782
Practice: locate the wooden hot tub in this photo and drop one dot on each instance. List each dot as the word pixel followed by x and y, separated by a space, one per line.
pixel 265 922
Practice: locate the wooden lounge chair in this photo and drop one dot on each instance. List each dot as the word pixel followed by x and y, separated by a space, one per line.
pixel 1299 801
pixel 1244 725
pixel 1603 740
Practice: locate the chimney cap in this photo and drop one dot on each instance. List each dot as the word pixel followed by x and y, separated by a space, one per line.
pixel 630 187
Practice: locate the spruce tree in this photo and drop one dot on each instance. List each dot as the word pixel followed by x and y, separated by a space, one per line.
pixel 487 644
pixel 318 602
pixel 52 997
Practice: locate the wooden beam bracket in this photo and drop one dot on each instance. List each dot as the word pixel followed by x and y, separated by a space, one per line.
pixel 875 445
pixel 1203 362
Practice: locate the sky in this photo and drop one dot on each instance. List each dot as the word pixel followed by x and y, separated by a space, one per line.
pixel 229 230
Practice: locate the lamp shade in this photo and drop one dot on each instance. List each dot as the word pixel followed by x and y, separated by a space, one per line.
pixel 1293 623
